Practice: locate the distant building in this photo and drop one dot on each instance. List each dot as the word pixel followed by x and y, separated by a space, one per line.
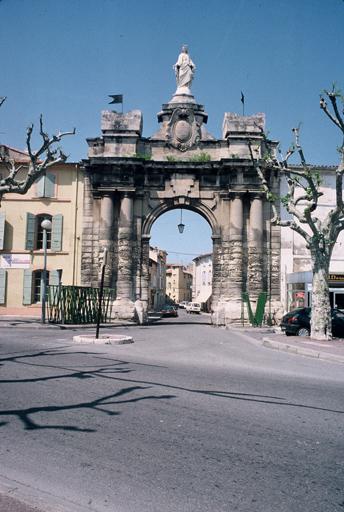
pixel 57 196
pixel 178 283
pixel 157 276
pixel 202 280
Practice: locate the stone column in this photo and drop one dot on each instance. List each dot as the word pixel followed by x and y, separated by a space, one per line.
pixel 229 306
pixel 125 237
pixel 105 233
pixel 255 247
pixel 145 270
pixel 236 239
pixel 217 315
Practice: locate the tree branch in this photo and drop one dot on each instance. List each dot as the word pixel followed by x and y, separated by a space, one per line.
pixel 36 165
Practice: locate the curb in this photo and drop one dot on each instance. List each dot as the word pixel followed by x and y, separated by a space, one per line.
pixel 104 339
pixel 309 352
pixel 26 497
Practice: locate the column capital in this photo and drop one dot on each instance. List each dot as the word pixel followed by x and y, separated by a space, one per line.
pixel 237 194
pixel 257 195
pixel 128 194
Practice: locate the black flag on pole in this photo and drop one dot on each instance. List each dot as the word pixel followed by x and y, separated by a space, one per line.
pixel 242 99
pixel 116 98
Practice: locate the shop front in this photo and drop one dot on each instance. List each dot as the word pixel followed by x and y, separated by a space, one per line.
pixel 299 290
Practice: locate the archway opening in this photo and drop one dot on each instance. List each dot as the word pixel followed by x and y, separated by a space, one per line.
pixel 180 265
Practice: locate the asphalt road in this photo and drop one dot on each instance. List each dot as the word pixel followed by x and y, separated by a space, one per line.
pixel 188 418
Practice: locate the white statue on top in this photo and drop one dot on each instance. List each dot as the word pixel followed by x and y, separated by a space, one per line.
pixel 184 69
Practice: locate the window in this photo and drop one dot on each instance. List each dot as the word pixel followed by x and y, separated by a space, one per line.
pixel 38 285
pixel 33 284
pixel 3 278
pixel 40 230
pixel 34 232
pixel 45 185
pixel 2 230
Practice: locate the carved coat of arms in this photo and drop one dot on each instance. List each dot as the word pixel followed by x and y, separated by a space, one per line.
pixel 183 130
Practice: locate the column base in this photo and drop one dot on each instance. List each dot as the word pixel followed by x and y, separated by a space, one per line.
pixel 234 312
pixel 123 309
pixel 227 312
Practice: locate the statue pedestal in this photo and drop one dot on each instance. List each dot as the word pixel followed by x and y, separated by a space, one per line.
pixel 183 95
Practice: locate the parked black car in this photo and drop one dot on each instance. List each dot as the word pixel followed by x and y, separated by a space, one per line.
pixel 298 322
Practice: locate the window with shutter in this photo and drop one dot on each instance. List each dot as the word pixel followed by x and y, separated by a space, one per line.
pixel 49 185
pixel 3 276
pixel 27 287
pixel 45 185
pixel 30 231
pixel 37 284
pixel 54 277
pixel 39 231
pixel 40 186
pixel 56 233
pixel 2 230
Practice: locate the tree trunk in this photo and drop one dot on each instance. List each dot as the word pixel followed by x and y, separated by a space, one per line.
pixel 321 326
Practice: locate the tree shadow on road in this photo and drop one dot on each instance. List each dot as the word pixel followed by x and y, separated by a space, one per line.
pixel 109 369
pixel 102 404
pixel 117 372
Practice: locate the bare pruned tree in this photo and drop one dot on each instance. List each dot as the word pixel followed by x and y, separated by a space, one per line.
pixel 301 202
pixel 20 177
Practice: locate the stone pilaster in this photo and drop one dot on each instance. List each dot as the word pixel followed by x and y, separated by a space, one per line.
pixel 217 263
pixel 145 270
pixel 236 244
pixel 255 247
pixel 125 238
pixel 106 233
pixel 87 234
pixel 123 307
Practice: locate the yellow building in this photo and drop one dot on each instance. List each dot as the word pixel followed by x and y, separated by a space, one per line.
pixel 58 196
pixel 178 283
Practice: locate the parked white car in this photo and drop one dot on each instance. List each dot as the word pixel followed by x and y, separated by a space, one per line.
pixel 193 307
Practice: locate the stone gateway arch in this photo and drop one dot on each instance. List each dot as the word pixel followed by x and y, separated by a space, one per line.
pixel 131 180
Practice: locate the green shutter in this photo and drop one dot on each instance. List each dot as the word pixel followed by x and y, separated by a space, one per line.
pixel 2 230
pixel 40 185
pixel 30 231
pixel 3 275
pixel 54 277
pixel 49 185
pixel 27 287
pixel 56 233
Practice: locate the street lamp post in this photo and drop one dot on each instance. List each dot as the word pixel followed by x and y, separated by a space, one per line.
pixel 46 226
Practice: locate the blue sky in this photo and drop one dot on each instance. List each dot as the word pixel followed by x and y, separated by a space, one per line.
pixel 62 58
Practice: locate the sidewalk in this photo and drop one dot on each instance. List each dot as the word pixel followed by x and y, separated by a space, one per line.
pixel 34 322
pixel 273 338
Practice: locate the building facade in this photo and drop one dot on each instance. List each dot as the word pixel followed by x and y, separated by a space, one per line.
pixel 296 270
pixel 157 274
pixel 202 279
pixel 58 197
pixel 178 283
